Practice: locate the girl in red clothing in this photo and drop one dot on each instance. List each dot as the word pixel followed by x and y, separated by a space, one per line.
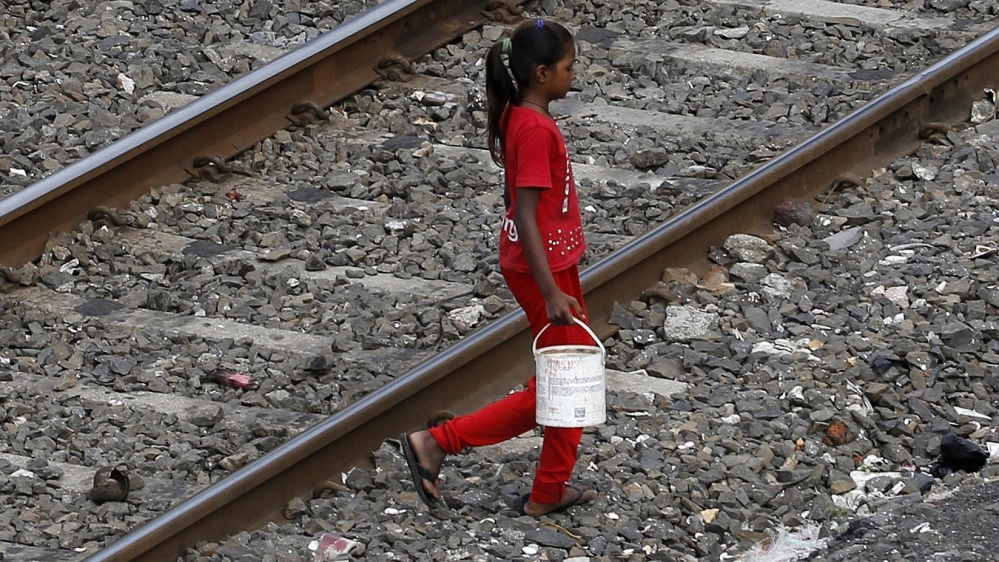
pixel 541 242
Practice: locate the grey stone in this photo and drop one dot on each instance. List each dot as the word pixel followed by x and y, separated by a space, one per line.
pixel 746 248
pixel 684 323
pixel 748 272
pixel 845 238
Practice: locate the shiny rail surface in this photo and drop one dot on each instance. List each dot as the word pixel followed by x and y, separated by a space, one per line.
pixel 474 371
pixel 233 118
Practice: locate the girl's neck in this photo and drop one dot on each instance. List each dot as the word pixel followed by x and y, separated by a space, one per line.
pixel 536 103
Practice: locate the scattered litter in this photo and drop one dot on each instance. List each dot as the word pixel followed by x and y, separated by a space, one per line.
pixel 18 172
pixel 894 260
pixel 958 453
pixel 921 528
pixel 110 485
pixel 855 500
pixel 783 347
pixel 971 413
pixel 982 251
pixel 226 377
pixel 333 547
pixel 70 266
pixel 872 462
pixel 234 195
pixel 862 477
pixel 788 546
pixel 898 487
pixel 912 246
pixel 858 400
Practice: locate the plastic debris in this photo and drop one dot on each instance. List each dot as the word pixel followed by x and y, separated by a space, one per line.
pixel 110 485
pixel 856 500
pixel 958 453
pixel 782 347
pixel 234 195
pixel 787 545
pixel 858 400
pixel 230 378
pixel 333 547
pixel 970 413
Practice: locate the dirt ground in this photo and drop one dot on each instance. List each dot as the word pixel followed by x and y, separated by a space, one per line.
pixel 963 527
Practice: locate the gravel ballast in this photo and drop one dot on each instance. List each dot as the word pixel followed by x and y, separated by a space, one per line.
pixel 849 343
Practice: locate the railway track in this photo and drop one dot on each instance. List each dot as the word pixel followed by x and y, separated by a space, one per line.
pixel 346 265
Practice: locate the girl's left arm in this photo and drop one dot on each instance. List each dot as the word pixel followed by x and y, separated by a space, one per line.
pixel 559 304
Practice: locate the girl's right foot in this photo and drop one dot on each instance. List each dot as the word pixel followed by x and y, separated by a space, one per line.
pixel 428 458
pixel 575 494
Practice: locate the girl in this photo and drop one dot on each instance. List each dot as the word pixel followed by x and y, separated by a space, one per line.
pixel 541 242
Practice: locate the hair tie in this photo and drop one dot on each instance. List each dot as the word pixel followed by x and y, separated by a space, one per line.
pixel 541 22
pixel 507 46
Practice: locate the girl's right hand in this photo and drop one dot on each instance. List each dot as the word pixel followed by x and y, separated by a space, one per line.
pixel 561 307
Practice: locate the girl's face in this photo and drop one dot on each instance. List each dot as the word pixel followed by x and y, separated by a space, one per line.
pixel 560 78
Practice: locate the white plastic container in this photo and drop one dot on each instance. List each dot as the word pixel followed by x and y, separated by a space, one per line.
pixel 571 383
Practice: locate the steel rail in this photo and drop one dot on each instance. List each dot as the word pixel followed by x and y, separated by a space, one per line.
pixel 890 126
pixel 233 118
pixel 494 360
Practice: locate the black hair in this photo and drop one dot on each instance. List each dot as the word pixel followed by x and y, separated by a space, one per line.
pixel 534 43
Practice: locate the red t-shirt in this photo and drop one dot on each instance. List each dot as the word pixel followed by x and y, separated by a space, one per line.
pixel 536 157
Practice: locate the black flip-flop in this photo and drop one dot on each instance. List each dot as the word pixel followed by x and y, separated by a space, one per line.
pixel 418 472
pixel 522 501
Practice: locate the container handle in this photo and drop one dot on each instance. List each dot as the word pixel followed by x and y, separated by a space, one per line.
pixel 534 346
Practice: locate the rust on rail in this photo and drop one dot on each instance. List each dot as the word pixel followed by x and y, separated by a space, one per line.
pixel 233 118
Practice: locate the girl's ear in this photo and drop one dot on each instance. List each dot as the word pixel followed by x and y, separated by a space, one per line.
pixel 541 73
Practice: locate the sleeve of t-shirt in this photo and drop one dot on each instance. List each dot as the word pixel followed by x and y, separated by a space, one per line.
pixel 533 146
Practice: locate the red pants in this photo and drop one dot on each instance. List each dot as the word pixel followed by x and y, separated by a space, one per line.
pixel 513 415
